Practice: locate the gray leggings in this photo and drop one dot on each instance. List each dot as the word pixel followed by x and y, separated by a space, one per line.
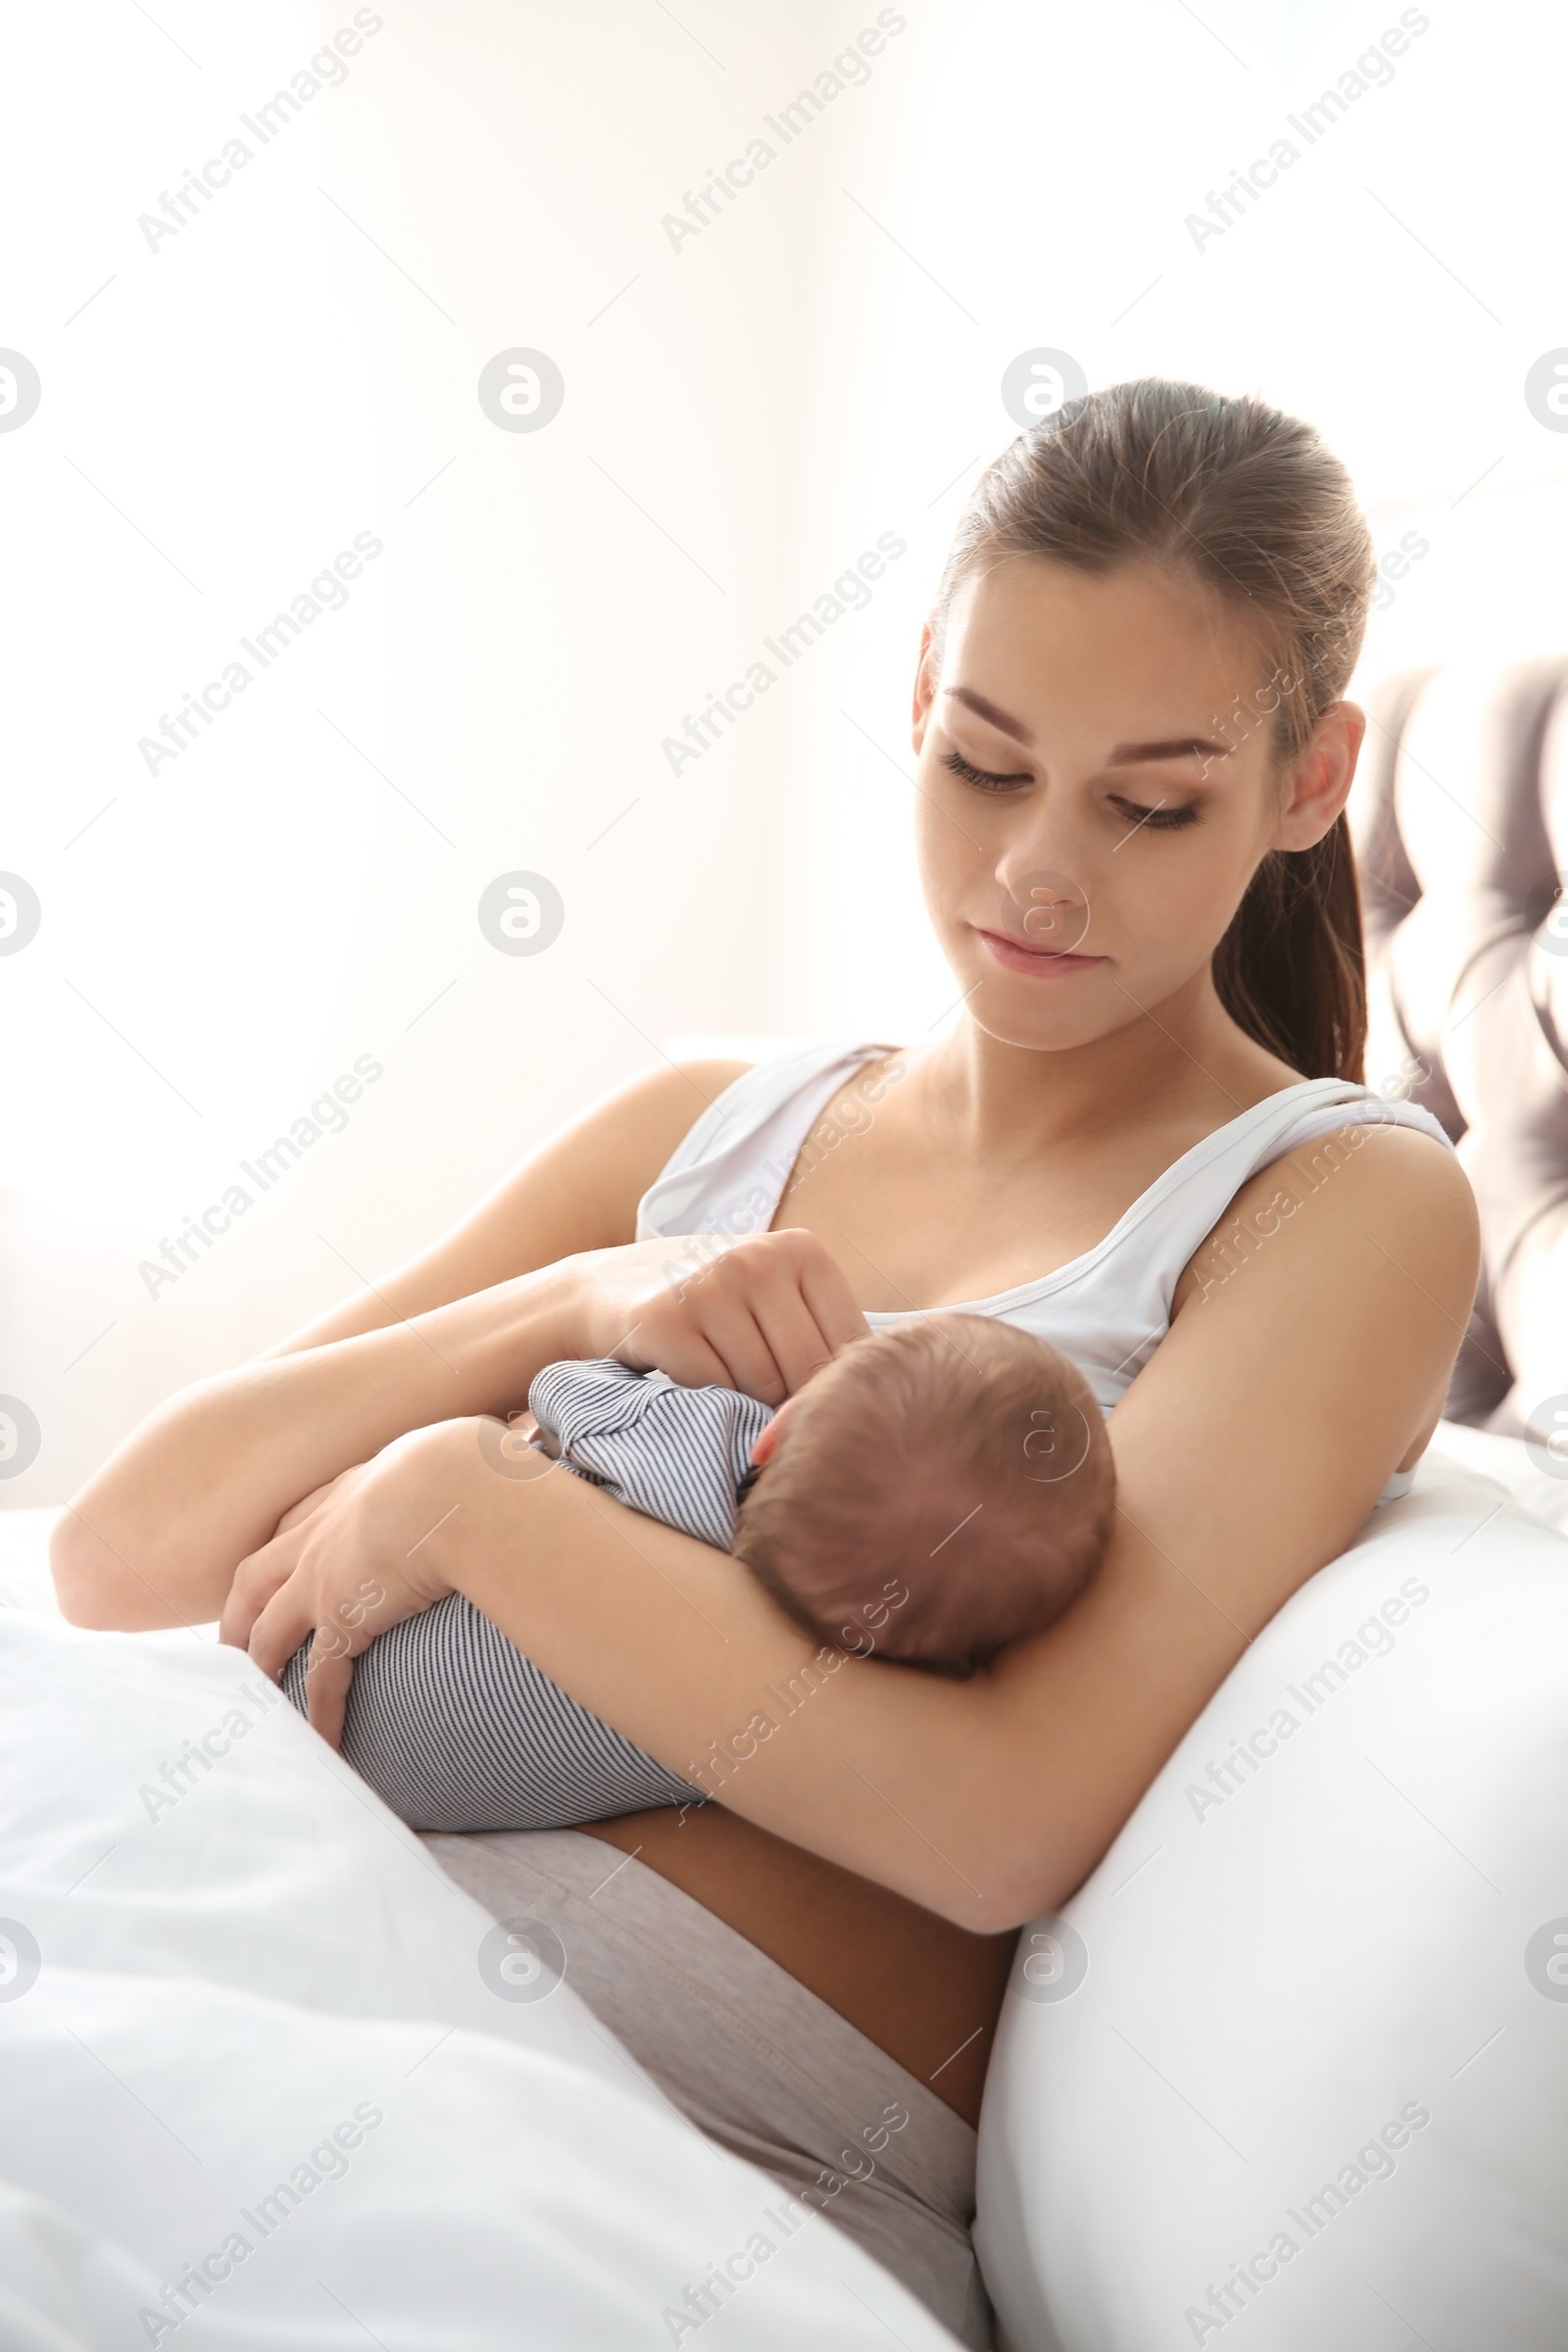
pixel 457 1729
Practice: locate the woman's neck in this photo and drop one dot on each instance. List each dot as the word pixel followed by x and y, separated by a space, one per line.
pixel 1185 1060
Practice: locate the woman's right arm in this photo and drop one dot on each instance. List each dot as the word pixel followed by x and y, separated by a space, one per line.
pixel 154 1537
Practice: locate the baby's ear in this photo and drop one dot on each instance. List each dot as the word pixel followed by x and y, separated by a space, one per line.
pixel 766 1442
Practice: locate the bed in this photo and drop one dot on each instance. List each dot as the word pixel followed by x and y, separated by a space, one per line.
pixel 259 2080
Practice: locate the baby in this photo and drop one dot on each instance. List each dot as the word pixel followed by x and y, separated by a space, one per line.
pixel 940 1488
pixel 943 1487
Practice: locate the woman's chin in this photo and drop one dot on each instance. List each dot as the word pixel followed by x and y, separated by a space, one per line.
pixel 1016 1015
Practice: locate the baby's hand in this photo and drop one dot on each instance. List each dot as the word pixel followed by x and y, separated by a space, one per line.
pixel 526 1425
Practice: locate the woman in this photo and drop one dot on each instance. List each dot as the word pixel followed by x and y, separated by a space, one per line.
pixel 1133 764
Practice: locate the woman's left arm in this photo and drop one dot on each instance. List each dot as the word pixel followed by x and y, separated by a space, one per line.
pixel 1248 1452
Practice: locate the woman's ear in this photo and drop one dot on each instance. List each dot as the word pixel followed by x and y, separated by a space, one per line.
pixel 925 688
pixel 1323 775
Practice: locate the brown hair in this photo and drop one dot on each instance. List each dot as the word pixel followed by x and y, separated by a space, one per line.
pixel 1249 503
pixel 954 1461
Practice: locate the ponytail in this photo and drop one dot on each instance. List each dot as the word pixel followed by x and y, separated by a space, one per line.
pixel 1290 971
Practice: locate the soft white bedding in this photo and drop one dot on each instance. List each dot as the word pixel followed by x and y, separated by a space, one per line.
pixel 25 1560
pixel 237 1959
pixel 245 2025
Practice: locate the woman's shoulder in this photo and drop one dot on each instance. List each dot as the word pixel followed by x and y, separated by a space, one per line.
pixel 657 1112
pixel 1402 1154
pixel 703 1078
pixel 1362 1176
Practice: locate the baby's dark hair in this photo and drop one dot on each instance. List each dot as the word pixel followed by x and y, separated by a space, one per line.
pixel 952 1459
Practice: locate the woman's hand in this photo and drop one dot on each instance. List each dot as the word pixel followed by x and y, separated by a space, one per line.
pixel 308 1503
pixel 351 1560
pixel 760 1314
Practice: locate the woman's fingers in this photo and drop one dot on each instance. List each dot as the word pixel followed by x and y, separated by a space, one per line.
pixel 777 1309
pixel 780 1344
pixel 668 1339
pixel 710 1332
pixel 290 1618
pixel 739 1346
pixel 328 1672
pixel 655 1347
pixel 804 1322
pixel 825 1289
pixel 761 1313
pixel 255 1579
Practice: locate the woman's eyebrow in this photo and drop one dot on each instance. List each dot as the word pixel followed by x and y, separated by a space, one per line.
pixel 978 704
pixel 1127 755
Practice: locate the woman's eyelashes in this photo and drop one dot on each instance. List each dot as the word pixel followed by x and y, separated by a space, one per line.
pixel 1159 818
pixel 980 776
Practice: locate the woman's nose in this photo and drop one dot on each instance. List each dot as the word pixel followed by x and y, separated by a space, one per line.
pixel 1044 905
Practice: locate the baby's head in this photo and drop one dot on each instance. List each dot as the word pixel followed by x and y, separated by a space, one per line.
pixel 940 1488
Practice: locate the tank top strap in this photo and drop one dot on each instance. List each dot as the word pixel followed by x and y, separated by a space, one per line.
pixel 1111 1307
pixel 1165 1224
pixel 729 1169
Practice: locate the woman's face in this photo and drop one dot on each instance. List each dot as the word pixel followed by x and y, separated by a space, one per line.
pixel 1088 820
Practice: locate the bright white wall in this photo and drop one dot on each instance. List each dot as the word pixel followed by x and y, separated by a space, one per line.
pixel 745 414
pixel 1038 166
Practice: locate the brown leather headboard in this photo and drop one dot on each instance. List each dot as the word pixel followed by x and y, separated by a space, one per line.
pixel 1460 820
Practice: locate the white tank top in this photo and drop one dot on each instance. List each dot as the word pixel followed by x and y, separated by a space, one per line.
pixel 1107 1309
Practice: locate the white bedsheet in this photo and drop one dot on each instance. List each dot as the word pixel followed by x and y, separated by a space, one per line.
pixel 246 2025
pixel 231 1969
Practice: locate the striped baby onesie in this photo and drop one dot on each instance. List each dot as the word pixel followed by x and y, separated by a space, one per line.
pixel 447 1719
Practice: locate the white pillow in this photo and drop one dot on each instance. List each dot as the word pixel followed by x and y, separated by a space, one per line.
pixel 1292 2070
pixel 238 2001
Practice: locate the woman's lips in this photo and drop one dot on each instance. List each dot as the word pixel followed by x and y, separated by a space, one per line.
pixel 1041 963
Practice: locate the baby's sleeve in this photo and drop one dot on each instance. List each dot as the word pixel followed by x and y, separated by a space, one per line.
pixel 590 1398
pixel 674 1453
